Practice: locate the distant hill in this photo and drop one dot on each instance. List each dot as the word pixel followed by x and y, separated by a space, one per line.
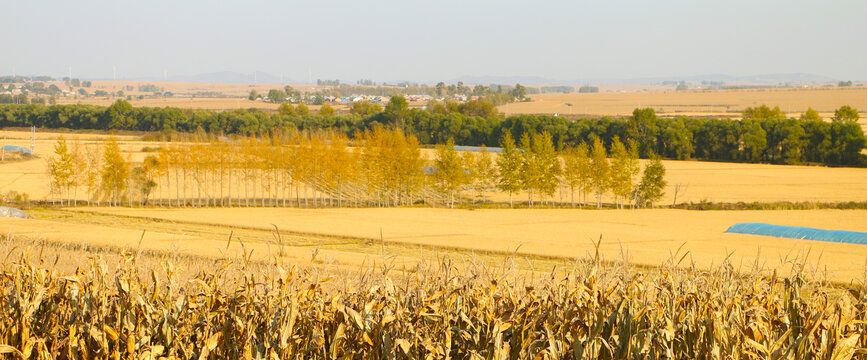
pixel 759 79
pixel 470 79
pixel 229 77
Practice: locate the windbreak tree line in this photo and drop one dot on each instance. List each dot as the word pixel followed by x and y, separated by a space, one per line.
pixel 379 167
pixel 763 135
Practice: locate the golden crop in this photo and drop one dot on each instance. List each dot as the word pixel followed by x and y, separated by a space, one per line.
pixel 592 311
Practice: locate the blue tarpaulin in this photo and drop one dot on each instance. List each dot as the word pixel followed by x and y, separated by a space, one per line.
pixel 799 232
pixel 13 148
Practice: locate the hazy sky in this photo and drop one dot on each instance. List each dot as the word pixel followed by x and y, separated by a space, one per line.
pixel 432 40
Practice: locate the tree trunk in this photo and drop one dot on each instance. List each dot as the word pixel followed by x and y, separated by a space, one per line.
pixel 572 193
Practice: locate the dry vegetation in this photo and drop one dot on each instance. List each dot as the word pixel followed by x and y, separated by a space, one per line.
pixel 137 305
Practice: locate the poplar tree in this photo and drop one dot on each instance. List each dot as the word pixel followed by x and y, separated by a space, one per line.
pixel 576 169
pixel 410 163
pixel 531 173
pixel 62 169
pixel 509 166
pixel 115 171
pixel 652 182
pixel 547 164
pixel 92 170
pixel 486 171
pixel 468 163
pixel 449 172
pixel 624 167
pixel 599 170
pixel 585 171
pixel 339 168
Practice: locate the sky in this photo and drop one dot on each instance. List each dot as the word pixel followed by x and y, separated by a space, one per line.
pixel 428 41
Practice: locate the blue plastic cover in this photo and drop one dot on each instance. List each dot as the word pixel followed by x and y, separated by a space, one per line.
pixel 16 148
pixel 799 232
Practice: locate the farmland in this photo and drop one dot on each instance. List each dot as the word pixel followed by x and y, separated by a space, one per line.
pixel 646 237
pixel 723 103
pixel 354 281
pixel 134 304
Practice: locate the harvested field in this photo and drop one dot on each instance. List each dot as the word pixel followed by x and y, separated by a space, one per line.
pixel 213 104
pixel 726 103
pixel 647 237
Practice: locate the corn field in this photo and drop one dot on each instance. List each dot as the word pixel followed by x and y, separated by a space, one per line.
pixel 593 310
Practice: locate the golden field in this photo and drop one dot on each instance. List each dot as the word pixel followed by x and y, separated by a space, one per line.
pixel 649 236
pixel 349 236
pixel 728 103
pixel 228 89
pixel 213 104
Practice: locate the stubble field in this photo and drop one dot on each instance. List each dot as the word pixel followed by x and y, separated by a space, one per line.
pixel 722 103
pixel 544 236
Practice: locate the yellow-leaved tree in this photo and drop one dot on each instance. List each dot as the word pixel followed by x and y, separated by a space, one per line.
pixel 62 170
pixel 115 172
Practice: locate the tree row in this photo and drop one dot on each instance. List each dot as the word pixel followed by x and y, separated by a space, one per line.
pixel 763 135
pixel 377 168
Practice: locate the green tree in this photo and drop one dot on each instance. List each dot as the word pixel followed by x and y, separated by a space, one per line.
pixel 302 110
pixel 509 166
pixel 115 171
pixel 519 91
pixel 643 129
pixel 286 109
pixel 397 111
pixel 276 96
pixel 326 110
pixel 755 139
pixel 846 113
pixel 793 144
pixel 479 108
pixel 811 115
pixel 676 140
pixel 120 115
pixel 652 183
pixel 763 113
pixel 253 95
pixel 365 108
pixel 599 169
